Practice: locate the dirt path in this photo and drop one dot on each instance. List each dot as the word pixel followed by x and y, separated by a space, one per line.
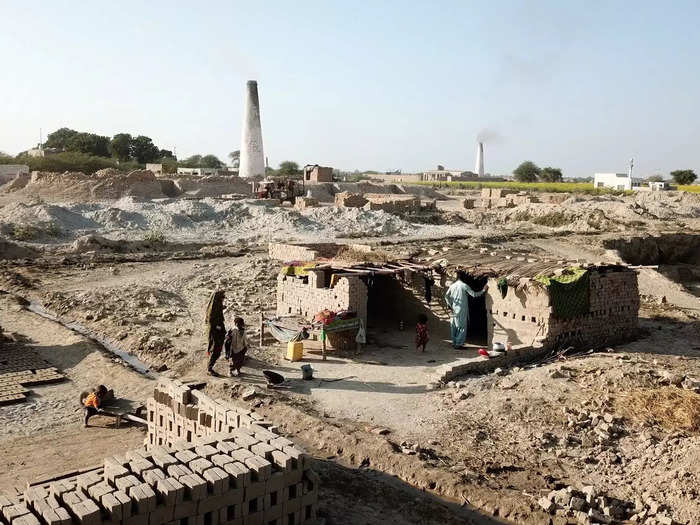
pixel 57 405
pixel 25 459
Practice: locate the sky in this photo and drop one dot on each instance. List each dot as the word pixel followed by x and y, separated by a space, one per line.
pixel 381 85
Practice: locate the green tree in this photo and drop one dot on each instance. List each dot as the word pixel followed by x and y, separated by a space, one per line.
pixel 90 144
pixel 67 161
pixel 166 154
pixel 683 177
pixel 235 156
pixel 169 164
pixel 143 150
pixel 655 178
pixel 526 172
pixel 549 174
pixel 60 138
pixel 191 162
pixel 120 146
pixel 288 168
pixel 210 161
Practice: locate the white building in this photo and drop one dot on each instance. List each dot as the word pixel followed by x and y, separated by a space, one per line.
pixel 13 169
pixel 197 171
pixel 616 181
pixel 155 168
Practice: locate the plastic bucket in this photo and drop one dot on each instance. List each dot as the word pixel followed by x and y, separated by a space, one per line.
pixel 307 372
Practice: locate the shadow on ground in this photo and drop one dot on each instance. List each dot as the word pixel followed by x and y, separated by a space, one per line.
pixel 365 496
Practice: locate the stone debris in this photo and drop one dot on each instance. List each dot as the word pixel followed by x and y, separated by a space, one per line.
pixel 588 506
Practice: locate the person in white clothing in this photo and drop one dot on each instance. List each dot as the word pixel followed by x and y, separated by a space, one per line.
pixel 236 345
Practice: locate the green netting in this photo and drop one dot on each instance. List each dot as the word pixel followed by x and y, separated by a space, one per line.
pixel 569 292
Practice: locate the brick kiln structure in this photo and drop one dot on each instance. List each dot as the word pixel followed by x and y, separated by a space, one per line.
pixel 525 316
pixel 224 468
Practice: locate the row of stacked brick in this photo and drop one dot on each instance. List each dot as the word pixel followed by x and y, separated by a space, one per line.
pixel 216 480
pixel 177 412
pixel 235 472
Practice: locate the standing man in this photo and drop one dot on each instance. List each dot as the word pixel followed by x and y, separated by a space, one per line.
pixel 216 331
pixel 457 299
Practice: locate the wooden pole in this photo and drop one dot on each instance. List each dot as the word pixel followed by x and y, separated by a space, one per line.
pixel 323 343
pixel 262 328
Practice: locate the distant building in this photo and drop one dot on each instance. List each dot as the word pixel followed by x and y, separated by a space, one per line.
pixel 659 185
pixel 203 172
pixel 41 151
pixel 13 169
pixel 316 173
pixel 155 168
pixel 616 181
pixel 197 171
pixel 447 175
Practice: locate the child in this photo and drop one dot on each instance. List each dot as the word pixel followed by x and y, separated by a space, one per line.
pixel 92 403
pixel 422 332
pixel 236 346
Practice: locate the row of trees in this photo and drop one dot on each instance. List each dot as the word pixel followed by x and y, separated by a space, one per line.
pixel 123 146
pixel 528 171
pixel 70 150
pixel 683 177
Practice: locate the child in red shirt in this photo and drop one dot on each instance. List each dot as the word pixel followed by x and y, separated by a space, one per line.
pixel 422 332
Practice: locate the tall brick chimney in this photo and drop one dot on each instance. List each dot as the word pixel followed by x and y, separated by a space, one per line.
pixel 252 161
pixel 479 168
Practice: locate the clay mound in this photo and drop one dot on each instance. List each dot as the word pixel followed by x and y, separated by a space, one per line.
pixel 11 250
pixel 212 186
pixel 108 172
pixel 77 186
pixel 141 183
pixel 41 214
pixel 19 182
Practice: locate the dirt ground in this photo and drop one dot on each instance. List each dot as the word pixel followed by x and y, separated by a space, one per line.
pixel 483 449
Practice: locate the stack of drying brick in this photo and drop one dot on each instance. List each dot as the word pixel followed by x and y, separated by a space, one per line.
pixel 302 203
pixel 246 475
pixel 500 198
pixel 243 478
pixel 392 203
pixel 347 199
pixel 177 413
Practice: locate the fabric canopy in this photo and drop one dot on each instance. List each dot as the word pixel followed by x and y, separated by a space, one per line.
pixel 568 292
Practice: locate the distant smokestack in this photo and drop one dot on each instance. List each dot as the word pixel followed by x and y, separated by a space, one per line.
pixel 252 160
pixel 479 168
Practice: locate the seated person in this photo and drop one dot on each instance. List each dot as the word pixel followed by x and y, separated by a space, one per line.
pixel 92 403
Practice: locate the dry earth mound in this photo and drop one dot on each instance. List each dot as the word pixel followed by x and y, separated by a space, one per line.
pixel 77 186
pixel 211 186
pixel 11 250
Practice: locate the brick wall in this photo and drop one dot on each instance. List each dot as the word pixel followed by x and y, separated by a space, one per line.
pixel 525 317
pixel 245 476
pixel 302 252
pixel 308 296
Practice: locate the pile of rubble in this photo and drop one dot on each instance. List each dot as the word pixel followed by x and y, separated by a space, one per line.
pixel 587 506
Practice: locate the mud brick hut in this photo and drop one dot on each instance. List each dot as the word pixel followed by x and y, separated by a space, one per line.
pixel 318 277
pixel 536 305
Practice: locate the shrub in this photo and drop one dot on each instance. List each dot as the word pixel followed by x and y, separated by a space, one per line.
pixel 29 232
pixel 155 236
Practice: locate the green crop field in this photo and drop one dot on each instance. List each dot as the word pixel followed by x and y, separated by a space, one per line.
pixel 553 187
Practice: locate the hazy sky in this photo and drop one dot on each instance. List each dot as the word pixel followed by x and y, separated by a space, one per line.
pixel 368 85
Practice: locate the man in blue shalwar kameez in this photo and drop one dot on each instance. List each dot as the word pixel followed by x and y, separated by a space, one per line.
pixel 457 299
